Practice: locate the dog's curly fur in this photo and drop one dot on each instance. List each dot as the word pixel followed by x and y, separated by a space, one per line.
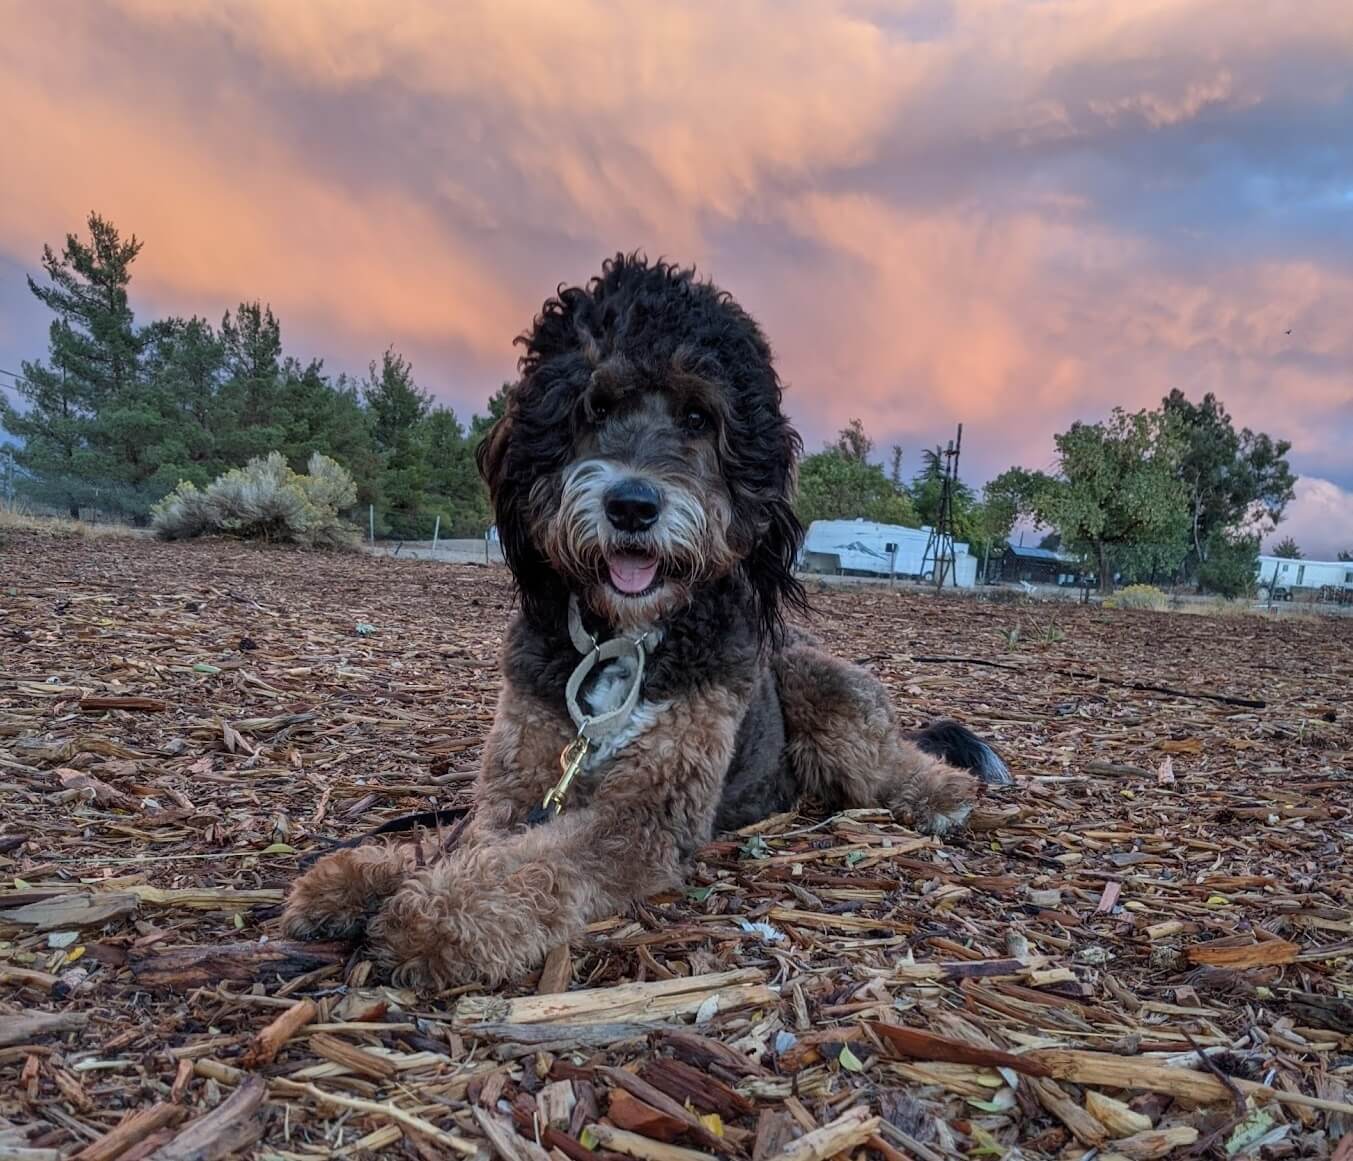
pixel 646 378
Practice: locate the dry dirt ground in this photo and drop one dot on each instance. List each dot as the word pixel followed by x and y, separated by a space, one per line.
pixel 1144 952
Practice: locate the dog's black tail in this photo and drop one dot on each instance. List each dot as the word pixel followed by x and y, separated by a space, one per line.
pixel 959 746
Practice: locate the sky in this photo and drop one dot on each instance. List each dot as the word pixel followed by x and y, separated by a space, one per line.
pixel 1012 215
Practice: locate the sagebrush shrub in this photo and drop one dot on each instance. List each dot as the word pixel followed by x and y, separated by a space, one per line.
pixel 264 500
pixel 1139 597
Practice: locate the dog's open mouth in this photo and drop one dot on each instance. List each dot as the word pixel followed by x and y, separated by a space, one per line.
pixel 632 574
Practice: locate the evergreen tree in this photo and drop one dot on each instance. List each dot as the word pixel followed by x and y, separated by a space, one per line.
pixel 93 362
pixel 927 490
pixel 398 409
pixel 184 366
pixel 497 408
pixel 458 494
pixel 251 394
pixel 1288 549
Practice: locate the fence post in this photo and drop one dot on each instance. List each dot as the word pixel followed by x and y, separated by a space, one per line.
pixel 436 529
pixel 371 523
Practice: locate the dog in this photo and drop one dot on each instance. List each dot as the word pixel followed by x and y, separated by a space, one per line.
pixel 642 479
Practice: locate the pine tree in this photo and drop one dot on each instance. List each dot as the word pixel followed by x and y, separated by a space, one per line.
pixel 497 408
pixel 927 490
pixel 456 492
pixel 397 408
pixel 184 368
pixel 93 365
pixel 320 416
pixel 251 394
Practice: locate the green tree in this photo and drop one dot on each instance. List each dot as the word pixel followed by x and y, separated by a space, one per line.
pixel 398 408
pixel 455 489
pixel 328 418
pixel 1288 549
pixel 183 369
pixel 251 394
pixel 1344 554
pixel 852 442
pixel 93 362
pixel 1236 481
pixel 1117 493
pixel 927 491
pixel 839 483
pixel 496 409
pixel 1230 565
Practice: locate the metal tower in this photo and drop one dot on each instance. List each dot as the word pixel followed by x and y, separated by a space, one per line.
pixel 939 549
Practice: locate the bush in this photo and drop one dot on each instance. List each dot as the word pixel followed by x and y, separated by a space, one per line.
pixel 1138 597
pixel 264 500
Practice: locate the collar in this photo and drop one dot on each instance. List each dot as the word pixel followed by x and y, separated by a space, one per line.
pixel 594 729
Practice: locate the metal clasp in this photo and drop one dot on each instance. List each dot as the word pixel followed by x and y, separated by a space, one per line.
pixel 570 762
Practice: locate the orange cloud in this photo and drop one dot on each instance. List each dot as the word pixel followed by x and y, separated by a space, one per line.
pixel 230 214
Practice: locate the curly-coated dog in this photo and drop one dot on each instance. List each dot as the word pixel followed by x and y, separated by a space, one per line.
pixel 642 481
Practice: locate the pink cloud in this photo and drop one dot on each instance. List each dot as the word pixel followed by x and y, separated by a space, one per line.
pixel 1319 519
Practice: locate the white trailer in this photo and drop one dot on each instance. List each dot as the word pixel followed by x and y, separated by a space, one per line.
pixel 1279 573
pixel 861 547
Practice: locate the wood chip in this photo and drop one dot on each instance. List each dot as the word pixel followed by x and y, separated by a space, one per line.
pixel 234 1125
pixel 1114 901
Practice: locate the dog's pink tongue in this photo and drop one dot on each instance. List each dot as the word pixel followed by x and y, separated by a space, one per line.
pixel 632 574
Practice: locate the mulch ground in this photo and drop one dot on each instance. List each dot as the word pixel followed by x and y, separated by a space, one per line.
pixel 1143 951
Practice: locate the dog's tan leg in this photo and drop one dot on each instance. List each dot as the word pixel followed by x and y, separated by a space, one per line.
pixel 336 897
pixel 844 743
pixel 492 913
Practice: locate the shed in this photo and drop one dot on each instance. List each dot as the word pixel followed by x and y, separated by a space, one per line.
pixel 1039 566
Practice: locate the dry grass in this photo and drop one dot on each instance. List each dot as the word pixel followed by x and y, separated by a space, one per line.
pixel 16 516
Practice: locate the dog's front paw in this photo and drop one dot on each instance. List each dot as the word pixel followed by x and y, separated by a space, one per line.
pixel 417 943
pixel 336 897
pixel 465 923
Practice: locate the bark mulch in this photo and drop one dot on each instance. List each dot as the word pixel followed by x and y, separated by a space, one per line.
pixel 1142 950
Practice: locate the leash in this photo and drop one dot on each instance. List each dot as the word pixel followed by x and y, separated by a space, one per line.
pixel 593 730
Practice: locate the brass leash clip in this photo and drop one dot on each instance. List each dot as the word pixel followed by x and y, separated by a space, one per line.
pixel 570 762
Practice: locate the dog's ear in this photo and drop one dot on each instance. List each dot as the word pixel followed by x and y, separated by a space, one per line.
pixel 509 497
pixel 769 567
pixel 505 499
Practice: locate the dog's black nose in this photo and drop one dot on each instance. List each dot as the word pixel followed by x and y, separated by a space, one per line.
pixel 633 505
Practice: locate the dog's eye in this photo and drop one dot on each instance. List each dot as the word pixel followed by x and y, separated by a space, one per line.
pixel 696 420
pixel 599 412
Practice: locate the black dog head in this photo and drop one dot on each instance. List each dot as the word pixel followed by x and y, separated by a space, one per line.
pixel 643 452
